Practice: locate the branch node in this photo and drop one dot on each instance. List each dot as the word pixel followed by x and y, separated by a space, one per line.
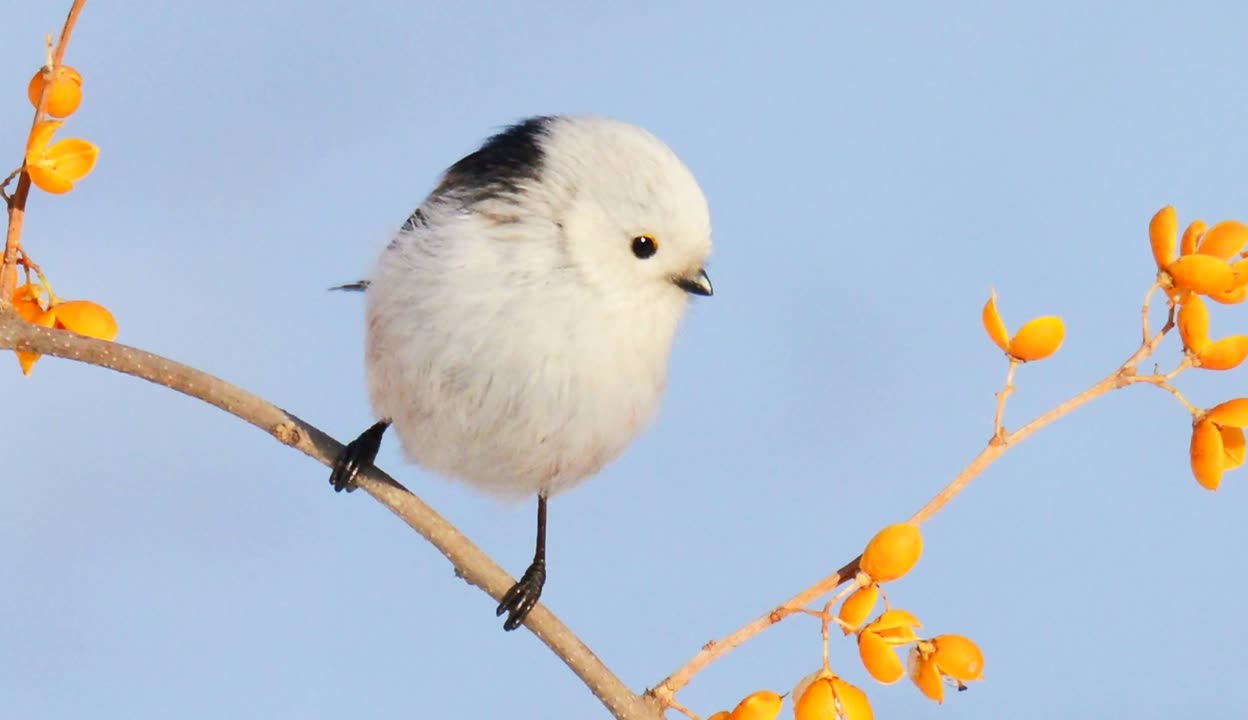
pixel 287 433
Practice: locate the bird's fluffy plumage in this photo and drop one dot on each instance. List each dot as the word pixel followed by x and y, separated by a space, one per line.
pixel 513 338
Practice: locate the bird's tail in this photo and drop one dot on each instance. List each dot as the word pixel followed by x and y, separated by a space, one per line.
pixel 357 286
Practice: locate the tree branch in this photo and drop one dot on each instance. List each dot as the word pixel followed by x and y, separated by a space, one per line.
pixel 17 203
pixel 470 562
pixel 1000 442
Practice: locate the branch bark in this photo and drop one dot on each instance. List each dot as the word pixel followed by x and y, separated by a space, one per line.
pixel 470 562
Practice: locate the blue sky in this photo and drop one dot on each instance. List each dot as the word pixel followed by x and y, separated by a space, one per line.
pixel 873 170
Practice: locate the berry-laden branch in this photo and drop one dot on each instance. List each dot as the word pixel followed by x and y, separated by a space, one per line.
pixel 17 202
pixel 470 562
pixel 1206 265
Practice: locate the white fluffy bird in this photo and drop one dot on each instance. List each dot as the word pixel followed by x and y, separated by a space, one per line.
pixel 520 323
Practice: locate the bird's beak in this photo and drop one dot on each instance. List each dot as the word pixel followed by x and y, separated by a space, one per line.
pixel 696 284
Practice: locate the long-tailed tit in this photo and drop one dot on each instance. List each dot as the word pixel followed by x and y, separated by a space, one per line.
pixel 520 322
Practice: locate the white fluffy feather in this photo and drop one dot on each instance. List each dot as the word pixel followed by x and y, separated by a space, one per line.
pixel 514 340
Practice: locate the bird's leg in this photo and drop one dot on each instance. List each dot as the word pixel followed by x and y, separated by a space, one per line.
pixel 357 455
pixel 522 596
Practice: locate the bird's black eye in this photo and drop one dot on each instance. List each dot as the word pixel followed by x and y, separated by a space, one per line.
pixel 644 246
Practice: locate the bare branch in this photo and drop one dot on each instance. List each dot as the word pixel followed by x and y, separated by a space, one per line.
pixel 470 562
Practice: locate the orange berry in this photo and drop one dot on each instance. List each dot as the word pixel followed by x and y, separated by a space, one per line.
pixel 1038 338
pixel 1163 235
pixel 1233 413
pixel 762 705
pixel 26 301
pixel 55 168
pixel 814 699
pixel 895 627
pixel 879 658
pixel 994 325
pixel 1224 354
pixel 958 657
pixel 1202 274
pixel 824 696
pixel 27 360
pixel 858 606
pixel 721 715
pixel 64 94
pixel 1232 447
pixel 1207 454
pixel 893 552
pixel 1191 237
pixel 852 701
pixel 1233 296
pixel 1224 240
pixel 924 674
pixel 86 318
pixel 1194 323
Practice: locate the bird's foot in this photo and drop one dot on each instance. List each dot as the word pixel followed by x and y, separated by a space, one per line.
pixel 357 455
pixel 523 596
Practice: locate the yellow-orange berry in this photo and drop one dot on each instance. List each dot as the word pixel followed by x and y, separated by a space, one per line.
pixel 924 674
pixel 1207 454
pixel 1194 323
pixel 86 318
pixel 1224 240
pixel 895 627
pixel 1163 235
pixel 1224 354
pixel 1202 274
pixel 958 657
pixel 1038 338
pixel 721 715
pixel 879 658
pixel 55 167
pixel 762 705
pixel 1232 447
pixel 1234 296
pixel 1233 413
pixel 64 93
pixel 994 325
pixel 852 701
pixel 815 701
pixel 824 696
pixel 893 552
pixel 27 360
pixel 1191 237
pixel 858 606
pixel 26 301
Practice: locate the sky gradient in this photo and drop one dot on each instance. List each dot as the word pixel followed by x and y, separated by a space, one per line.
pixel 873 171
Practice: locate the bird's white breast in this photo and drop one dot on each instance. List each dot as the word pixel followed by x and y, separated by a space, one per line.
pixel 499 367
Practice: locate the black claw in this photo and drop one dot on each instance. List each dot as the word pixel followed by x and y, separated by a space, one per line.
pixel 357 455
pixel 523 596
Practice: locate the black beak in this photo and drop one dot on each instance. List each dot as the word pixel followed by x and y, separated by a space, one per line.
pixel 695 284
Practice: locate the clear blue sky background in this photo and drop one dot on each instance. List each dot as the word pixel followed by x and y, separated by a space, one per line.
pixel 873 171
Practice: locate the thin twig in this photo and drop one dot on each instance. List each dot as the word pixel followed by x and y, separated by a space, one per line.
pixel 998 427
pixel 1148 301
pixel 684 711
pixel 1161 381
pixel 470 562
pixel 58 55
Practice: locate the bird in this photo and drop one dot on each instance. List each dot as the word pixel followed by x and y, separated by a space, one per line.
pixel 520 322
